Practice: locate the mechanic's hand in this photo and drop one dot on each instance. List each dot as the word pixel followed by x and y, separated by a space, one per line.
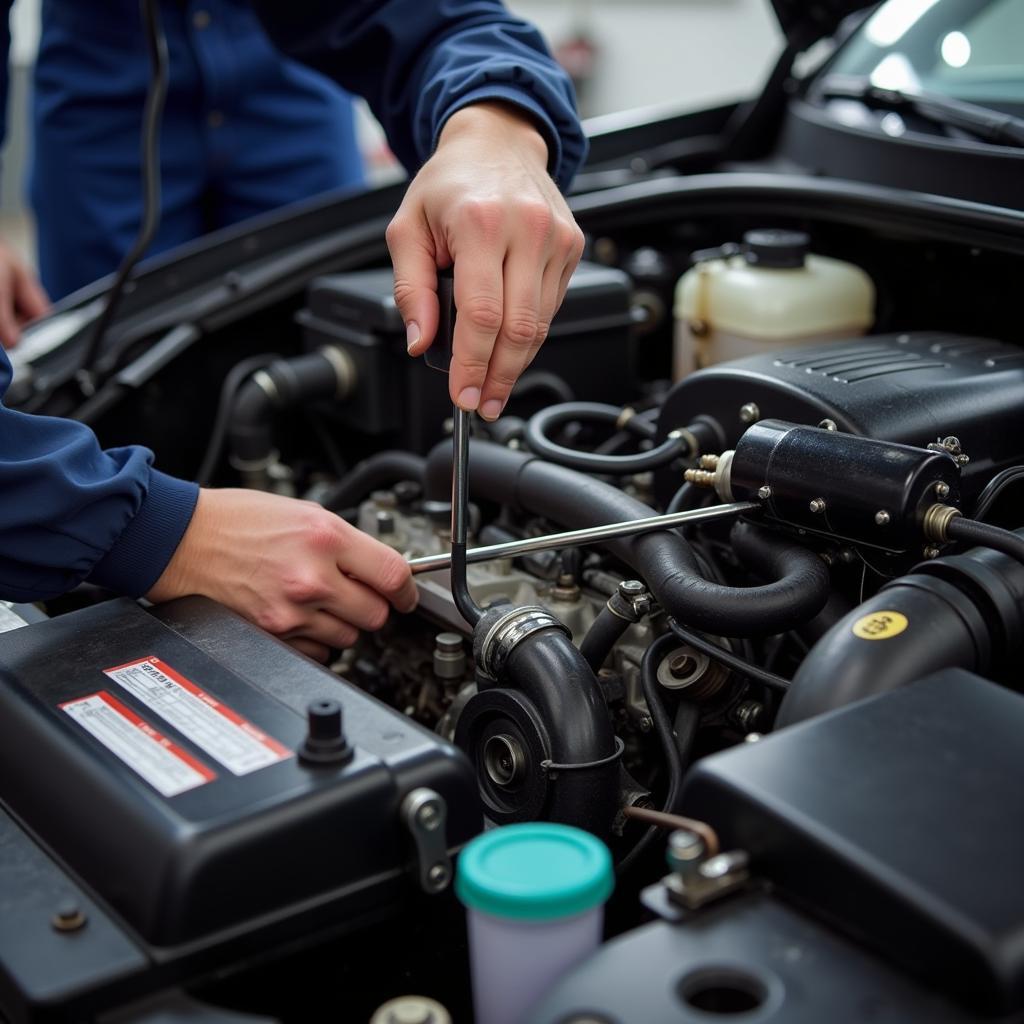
pixel 21 297
pixel 485 202
pixel 290 566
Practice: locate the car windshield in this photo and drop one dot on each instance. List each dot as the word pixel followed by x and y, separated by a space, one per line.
pixel 970 50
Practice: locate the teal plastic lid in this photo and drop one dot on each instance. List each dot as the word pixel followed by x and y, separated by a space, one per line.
pixel 534 872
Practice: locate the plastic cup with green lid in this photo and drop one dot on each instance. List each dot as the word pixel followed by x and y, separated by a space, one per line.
pixel 535 897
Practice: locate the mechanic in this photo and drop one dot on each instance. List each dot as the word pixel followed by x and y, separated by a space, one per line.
pixel 470 93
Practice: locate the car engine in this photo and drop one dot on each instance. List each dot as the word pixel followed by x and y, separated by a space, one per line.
pixel 801 693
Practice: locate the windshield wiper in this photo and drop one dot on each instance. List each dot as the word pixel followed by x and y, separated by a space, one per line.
pixel 993 126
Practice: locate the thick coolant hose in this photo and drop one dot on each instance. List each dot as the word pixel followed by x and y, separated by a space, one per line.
pixel 551 672
pixel 800 580
pixel 380 470
pixel 960 611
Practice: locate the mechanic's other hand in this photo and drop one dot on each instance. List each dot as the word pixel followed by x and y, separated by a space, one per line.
pixel 21 296
pixel 290 566
pixel 485 202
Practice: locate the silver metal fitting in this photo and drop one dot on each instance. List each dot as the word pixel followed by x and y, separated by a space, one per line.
pixel 449 656
pixel 941 490
pixel 344 369
pixel 764 493
pixel 828 425
pixel 882 518
pixel 627 413
pixel 632 598
pixel 424 813
pixel 749 413
pixel 511 630
pixel 817 505
pixel 936 522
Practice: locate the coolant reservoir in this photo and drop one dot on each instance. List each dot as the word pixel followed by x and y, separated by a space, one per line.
pixel 770 293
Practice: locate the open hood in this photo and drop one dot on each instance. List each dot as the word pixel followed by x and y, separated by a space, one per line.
pixel 806 21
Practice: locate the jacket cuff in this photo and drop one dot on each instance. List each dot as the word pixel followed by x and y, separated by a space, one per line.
pixel 139 556
pixel 559 168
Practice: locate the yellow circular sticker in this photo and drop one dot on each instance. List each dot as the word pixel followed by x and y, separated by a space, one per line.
pixel 880 625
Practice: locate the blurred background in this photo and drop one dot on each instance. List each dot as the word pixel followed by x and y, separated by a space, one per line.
pixel 623 55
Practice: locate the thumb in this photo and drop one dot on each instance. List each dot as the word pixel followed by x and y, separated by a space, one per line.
pixel 30 299
pixel 412 253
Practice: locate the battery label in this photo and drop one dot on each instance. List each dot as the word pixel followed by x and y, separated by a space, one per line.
pixel 212 726
pixel 165 766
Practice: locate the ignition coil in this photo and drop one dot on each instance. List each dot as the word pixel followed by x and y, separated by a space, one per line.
pixel 835 484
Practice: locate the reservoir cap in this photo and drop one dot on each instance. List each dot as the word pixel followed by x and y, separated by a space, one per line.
pixel 534 872
pixel 776 248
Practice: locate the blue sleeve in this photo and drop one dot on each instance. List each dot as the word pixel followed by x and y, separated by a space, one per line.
pixel 416 62
pixel 71 511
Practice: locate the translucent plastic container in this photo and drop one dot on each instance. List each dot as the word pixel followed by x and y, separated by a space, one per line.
pixel 771 294
pixel 535 898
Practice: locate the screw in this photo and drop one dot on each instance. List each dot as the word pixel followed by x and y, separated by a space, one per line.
pixel 749 413
pixel 645 723
pixel 684 848
pixel 931 552
pixel 882 518
pixel 817 505
pixel 68 917
pixel 764 493
pixel 951 444
pixel 630 589
pixel 428 817
pixel 438 875
pixel 828 425
pixel 942 490
pixel 682 665
pixel 752 737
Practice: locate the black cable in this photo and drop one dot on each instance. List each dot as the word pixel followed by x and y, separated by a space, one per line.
pixel 540 426
pixel 994 490
pixel 666 737
pixel 685 724
pixel 745 668
pixel 688 496
pixel 89 375
pixel 236 377
pixel 969 531
pixel 604 633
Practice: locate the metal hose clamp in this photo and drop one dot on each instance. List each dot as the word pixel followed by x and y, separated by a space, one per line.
pixel 509 631
pixel 936 522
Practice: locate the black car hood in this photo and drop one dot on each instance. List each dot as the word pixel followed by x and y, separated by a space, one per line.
pixel 806 21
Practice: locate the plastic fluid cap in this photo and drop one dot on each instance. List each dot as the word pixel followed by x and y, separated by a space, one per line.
pixel 776 248
pixel 534 872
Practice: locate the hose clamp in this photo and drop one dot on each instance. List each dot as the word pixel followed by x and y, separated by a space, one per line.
pixel 344 369
pixel 552 768
pixel 511 630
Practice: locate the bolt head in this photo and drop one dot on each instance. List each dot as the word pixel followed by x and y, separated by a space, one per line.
pixel 828 425
pixel 749 413
pixel 428 817
pixel 438 875
pixel 632 588
pixel 685 846
pixel 764 493
pixel 942 489
pixel 931 552
pixel 68 917
pixel 817 505
pixel 882 518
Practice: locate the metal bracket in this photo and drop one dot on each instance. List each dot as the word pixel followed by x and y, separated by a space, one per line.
pixel 425 813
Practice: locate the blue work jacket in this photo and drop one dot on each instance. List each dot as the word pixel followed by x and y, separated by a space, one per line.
pixel 68 510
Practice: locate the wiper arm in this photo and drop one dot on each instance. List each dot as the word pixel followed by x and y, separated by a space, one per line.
pixel 989 125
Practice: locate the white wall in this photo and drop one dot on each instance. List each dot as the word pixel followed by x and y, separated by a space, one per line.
pixel 694 52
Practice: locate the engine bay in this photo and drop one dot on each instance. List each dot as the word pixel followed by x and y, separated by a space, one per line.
pixel 818 685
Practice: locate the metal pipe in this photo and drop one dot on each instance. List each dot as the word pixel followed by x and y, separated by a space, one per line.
pixel 464 602
pixel 577 538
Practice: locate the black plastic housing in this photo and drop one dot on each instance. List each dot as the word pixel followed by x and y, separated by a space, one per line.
pixel 912 389
pixel 896 819
pixel 843 485
pixel 402 400
pixel 241 850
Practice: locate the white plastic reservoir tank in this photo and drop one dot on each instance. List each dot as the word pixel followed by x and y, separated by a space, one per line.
pixel 770 293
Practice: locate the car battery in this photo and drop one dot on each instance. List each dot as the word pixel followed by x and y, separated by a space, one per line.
pixel 399 400
pixel 181 768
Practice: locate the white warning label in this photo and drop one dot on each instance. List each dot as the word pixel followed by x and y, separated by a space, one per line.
pixel 165 766
pixel 212 726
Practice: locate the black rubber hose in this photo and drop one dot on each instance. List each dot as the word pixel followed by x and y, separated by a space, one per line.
pixel 543 423
pixel 685 724
pixel 724 657
pixel 543 380
pixel 372 474
pixel 666 738
pixel 551 672
pixel 969 531
pixel 688 496
pixel 604 633
pixel 800 580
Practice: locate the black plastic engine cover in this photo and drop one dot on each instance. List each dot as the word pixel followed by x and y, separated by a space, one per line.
pixel 165 776
pixel 897 819
pixel 910 388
